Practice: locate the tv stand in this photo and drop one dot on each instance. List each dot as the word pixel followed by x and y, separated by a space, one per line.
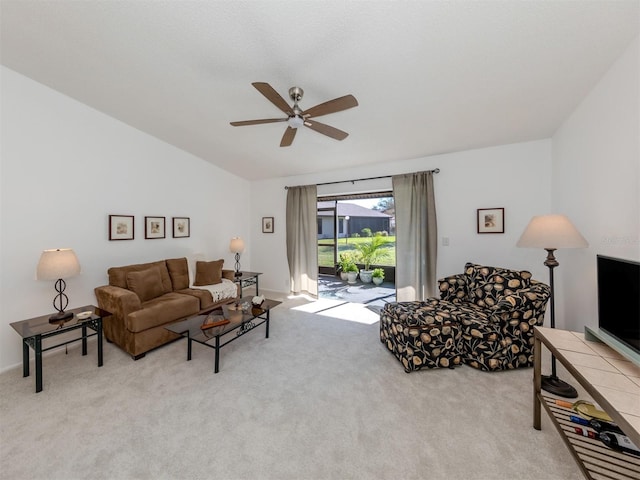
pixel 599 335
pixel 610 380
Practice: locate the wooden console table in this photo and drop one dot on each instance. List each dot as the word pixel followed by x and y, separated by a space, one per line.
pixel 612 381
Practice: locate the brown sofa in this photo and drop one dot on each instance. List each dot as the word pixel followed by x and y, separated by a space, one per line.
pixel 144 298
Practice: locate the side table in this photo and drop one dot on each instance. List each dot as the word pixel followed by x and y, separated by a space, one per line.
pixel 247 279
pixel 34 330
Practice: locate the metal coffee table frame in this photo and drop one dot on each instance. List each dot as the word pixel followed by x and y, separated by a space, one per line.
pixel 240 323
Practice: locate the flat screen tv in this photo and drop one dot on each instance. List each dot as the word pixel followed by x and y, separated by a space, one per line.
pixel 619 299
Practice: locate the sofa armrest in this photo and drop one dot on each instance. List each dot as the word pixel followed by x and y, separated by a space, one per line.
pixel 454 288
pixel 119 301
pixel 526 306
pixel 534 297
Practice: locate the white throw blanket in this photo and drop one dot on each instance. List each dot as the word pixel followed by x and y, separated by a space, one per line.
pixel 220 291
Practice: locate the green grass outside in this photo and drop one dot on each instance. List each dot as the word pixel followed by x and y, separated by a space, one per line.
pixel 325 253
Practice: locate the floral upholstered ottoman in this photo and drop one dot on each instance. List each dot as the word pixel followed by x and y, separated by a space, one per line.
pixel 421 334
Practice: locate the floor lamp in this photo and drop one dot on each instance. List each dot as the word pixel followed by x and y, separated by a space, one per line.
pixel 552 232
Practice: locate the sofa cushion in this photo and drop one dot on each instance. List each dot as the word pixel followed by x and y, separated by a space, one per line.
pixel 208 273
pixel 147 284
pixel 167 308
pixel 179 273
pixel 118 275
pixel 204 296
pixel 487 285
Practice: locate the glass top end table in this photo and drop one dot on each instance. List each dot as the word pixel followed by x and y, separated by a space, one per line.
pixel 34 330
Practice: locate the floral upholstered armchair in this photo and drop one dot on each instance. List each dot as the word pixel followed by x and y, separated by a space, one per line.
pixel 484 318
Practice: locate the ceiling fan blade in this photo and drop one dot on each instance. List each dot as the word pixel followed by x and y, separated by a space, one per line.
pixel 326 129
pixel 273 96
pixel 332 106
pixel 257 122
pixel 287 138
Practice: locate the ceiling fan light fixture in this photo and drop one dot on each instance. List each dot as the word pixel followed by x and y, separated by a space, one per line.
pixel 295 121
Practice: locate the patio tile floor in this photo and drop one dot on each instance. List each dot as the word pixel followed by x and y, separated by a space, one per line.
pixel 369 294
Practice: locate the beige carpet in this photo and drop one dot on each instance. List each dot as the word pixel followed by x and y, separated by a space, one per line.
pixel 321 399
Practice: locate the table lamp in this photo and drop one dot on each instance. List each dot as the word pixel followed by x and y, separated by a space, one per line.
pixel 57 264
pixel 552 232
pixel 237 246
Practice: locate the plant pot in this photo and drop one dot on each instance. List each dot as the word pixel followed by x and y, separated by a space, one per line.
pixel 378 280
pixel 352 277
pixel 366 276
pixel 343 276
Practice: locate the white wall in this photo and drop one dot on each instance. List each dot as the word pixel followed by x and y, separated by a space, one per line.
pixel 65 168
pixel 596 183
pixel 515 177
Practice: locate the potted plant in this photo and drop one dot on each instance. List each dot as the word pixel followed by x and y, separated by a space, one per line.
pixel 371 252
pixel 346 259
pixel 378 276
pixel 352 273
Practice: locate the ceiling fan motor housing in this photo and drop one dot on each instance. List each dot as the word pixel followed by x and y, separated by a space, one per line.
pixel 296 94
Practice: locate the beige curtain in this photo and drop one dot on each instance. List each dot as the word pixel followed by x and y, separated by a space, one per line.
pixel 416 236
pixel 302 238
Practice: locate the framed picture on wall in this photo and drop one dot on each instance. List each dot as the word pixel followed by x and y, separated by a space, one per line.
pixel 267 224
pixel 491 220
pixel 181 227
pixel 121 227
pixel 154 227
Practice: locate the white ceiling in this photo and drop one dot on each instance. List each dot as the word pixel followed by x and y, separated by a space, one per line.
pixel 431 76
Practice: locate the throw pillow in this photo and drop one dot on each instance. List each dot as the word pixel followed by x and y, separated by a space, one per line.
pixel 147 284
pixel 179 273
pixel 208 273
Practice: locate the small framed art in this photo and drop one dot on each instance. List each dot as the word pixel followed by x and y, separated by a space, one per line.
pixel 490 220
pixel 181 227
pixel 267 224
pixel 154 227
pixel 121 227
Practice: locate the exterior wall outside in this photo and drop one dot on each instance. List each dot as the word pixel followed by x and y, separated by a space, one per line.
pixel 357 224
pixel 353 225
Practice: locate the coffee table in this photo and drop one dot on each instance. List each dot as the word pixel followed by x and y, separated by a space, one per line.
pixel 239 324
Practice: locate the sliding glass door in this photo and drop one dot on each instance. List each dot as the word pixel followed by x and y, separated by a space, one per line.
pixel 327 238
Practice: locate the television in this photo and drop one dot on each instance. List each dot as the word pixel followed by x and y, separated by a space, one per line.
pixel 619 300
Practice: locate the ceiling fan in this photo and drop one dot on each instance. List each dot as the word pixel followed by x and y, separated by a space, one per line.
pixel 296 117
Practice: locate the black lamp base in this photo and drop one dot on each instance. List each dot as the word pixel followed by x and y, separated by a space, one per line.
pixel 552 384
pixel 59 317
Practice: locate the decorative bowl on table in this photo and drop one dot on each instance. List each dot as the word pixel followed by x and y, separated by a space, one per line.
pixel 257 301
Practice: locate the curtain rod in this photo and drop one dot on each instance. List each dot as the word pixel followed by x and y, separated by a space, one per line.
pixel 435 170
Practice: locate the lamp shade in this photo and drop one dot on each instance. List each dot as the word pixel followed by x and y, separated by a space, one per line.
pixel 236 245
pixel 551 231
pixel 57 263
